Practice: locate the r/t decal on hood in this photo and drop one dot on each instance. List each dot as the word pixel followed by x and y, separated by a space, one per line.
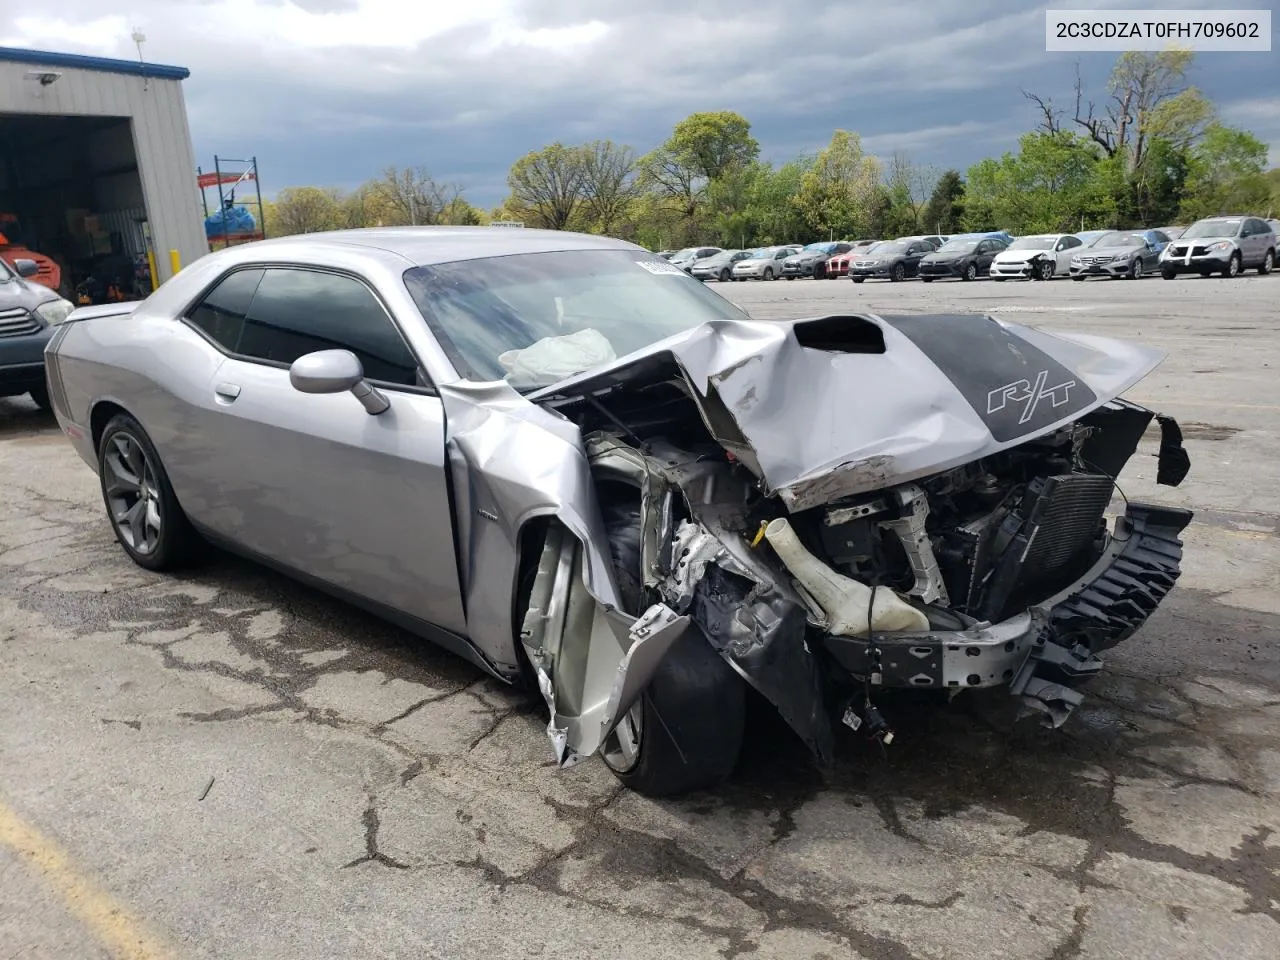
pixel 1029 395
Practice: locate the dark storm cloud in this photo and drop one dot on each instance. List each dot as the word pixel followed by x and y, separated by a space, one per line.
pixel 466 89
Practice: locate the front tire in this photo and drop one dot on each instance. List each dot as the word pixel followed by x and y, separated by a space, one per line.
pixel 144 513
pixel 686 731
pixel 926 279
pixel 1044 271
pixel 899 274
pixel 1268 262
pixel 725 276
pixel 1135 271
pixel 971 272
pixel 1233 266
pixel 768 274
pixel 1169 274
pixel 857 279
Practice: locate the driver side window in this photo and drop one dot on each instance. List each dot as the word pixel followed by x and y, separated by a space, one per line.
pixel 278 314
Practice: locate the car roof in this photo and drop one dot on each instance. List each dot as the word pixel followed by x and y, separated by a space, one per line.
pixel 428 245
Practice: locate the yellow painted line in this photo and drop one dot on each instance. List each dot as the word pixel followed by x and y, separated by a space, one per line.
pixel 124 937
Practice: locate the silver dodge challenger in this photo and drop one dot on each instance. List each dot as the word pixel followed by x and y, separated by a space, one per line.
pixel 581 469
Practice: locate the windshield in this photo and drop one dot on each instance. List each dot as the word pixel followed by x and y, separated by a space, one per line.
pixel 536 318
pixel 1032 243
pixel 889 246
pixel 1212 228
pixel 959 246
pixel 819 248
pixel 684 254
pixel 1120 240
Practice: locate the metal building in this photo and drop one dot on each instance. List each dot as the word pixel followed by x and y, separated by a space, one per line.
pixel 96 166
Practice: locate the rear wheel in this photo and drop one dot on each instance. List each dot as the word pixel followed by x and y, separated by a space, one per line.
pixel 144 513
pixel 1267 263
pixel 686 730
pixel 1168 274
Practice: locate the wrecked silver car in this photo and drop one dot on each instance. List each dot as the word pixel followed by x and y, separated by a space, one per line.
pixel 573 464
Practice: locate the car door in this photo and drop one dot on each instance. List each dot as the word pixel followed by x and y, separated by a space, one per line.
pixel 315 482
pixel 1259 241
pixel 1157 240
pixel 1063 252
pixel 983 255
pixel 911 259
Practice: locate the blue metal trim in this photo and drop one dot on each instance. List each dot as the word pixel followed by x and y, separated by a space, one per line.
pixel 76 61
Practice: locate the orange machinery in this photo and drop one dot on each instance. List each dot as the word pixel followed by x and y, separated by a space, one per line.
pixel 12 248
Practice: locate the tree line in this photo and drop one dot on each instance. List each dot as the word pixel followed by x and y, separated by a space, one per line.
pixel 1152 151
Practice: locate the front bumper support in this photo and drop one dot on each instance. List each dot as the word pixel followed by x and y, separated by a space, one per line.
pixel 1043 653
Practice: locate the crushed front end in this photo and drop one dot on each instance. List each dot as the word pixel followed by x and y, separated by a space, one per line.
pixel 956 536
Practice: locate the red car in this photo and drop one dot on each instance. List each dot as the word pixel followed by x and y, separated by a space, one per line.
pixel 838 266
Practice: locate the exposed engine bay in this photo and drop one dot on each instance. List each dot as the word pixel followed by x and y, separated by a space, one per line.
pixel 819 586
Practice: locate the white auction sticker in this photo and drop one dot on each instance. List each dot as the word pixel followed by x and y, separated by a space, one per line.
pixel 1209 31
pixel 661 267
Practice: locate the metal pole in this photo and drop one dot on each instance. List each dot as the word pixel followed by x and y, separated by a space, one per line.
pixel 222 201
pixel 262 216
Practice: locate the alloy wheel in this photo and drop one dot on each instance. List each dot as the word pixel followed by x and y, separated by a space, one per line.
pixel 133 496
pixel 1135 272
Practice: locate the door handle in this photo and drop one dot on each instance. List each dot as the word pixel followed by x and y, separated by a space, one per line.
pixel 227 392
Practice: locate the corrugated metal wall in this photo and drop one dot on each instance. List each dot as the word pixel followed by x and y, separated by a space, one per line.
pixel 161 138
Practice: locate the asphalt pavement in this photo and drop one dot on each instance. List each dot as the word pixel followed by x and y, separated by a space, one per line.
pixel 226 764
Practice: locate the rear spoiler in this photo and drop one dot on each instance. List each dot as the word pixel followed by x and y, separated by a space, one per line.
pixel 103 310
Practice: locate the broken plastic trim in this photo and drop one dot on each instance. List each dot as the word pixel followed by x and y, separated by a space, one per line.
pixel 592 662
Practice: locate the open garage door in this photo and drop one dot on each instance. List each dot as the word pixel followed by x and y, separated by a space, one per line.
pixel 71 198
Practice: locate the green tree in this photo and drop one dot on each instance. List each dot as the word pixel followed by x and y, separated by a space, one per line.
pixel 548 182
pixel 305 210
pixel 1226 174
pixel 703 148
pixel 1055 182
pixel 835 192
pixel 945 208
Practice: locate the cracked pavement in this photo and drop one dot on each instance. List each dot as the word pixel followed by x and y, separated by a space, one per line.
pixel 259 771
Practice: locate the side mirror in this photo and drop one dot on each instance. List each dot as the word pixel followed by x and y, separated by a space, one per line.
pixel 335 371
pixel 26 268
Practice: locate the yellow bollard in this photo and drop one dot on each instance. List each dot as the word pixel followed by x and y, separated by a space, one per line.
pixel 151 262
pixel 175 262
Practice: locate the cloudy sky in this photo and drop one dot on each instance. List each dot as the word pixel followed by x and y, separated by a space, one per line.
pixel 331 91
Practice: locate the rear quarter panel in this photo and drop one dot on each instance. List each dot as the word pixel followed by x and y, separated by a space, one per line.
pixel 154 368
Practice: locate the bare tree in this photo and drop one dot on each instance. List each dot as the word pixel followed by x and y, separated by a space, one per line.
pixel 1051 116
pixel 412 196
pixel 549 182
pixel 1147 100
pixel 609 181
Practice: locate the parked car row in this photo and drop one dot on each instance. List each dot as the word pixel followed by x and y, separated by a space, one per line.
pixel 1225 245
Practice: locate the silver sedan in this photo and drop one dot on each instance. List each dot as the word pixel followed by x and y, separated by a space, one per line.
pixel 565 459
